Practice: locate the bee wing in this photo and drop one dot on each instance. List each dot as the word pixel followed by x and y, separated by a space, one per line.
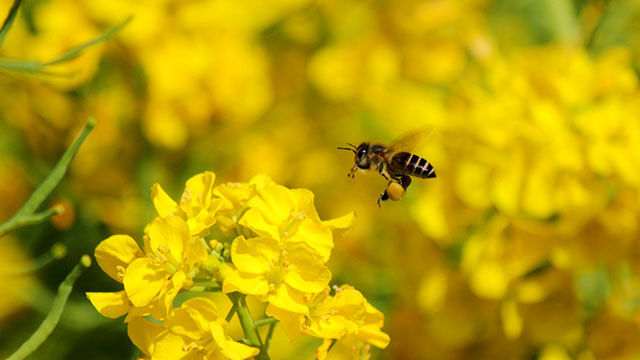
pixel 409 140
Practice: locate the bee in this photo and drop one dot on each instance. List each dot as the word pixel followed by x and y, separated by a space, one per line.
pixel 393 162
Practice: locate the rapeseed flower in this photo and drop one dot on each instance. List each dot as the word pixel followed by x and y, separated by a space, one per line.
pixel 198 205
pixel 193 331
pixel 151 278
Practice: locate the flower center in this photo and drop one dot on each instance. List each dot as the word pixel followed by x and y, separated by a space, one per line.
pixel 279 269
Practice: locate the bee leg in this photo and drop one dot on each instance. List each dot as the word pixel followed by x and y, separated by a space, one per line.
pixel 405 181
pixel 382 169
pixel 352 172
pixel 383 197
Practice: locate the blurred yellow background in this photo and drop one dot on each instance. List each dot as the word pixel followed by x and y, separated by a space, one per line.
pixel 524 247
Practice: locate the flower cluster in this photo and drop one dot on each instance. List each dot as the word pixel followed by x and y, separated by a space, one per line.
pixel 257 238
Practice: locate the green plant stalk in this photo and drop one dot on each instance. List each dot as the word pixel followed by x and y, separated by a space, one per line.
pixel 33 66
pixel 53 317
pixel 8 22
pixel 247 324
pixel 264 322
pixel 27 214
pixel 267 339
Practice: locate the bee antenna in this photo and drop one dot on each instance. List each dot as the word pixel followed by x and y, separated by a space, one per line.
pixel 350 144
pixel 344 148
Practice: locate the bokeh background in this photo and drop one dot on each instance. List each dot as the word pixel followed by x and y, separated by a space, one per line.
pixel 526 245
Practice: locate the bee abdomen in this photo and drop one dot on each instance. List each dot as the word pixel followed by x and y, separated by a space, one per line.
pixel 413 165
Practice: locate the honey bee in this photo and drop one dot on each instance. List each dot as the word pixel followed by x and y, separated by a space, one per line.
pixel 393 162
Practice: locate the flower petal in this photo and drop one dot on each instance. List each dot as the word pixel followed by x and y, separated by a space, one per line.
pixel 143 280
pixel 169 233
pixel 110 304
pixel 341 225
pixel 143 334
pixel 290 299
pixel 276 203
pixel 163 203
pixel 291 322
pixel 254 255
pixel 115 251
pixel 171 346
pixel 318 237
pixel 306 273
pixel 256 221
pixel 246 283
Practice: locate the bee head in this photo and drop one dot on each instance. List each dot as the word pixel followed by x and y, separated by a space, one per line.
pixel 361 152
pixel 362 158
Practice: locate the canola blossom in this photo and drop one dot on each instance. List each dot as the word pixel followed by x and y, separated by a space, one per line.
pixel 279 247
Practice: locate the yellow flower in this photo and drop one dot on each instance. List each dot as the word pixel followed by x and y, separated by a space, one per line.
pixel 278 273
pixel 198 205
pixel 193 331
pixel 289 216
pixel 347 312
pixel 152 279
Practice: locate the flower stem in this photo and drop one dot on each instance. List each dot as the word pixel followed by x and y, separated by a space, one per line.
pixel 267 340
pixel 247 323
pixel 52 318
pixel 263 322
pixel 27 214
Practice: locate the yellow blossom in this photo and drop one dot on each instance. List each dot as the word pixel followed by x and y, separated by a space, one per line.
pixel 151 279
pixel 193 331
pixel 279 274
pixel 198 205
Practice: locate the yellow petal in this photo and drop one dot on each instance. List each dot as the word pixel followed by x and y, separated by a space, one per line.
pixel 246 283
pixel 374 336
pixel 306 203
pixel 341 225
pixel 256 221
pixel 163 203
pixel 291 322
pixel 143 280
pixel 254 255
pixel 111 305
pixel 305 273
pixel 275 202
pixel 198 193
pixel 237 351
pixel 115 251
pixel 261 180
pixel 231 349
pixel 288 298
pixel 321 351
pixel 169 233
pixel 143 334
pixel 316 236
pixel 170 346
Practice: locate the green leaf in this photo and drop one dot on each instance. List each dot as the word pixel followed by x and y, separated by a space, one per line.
pixel 37 67
pixel 8 22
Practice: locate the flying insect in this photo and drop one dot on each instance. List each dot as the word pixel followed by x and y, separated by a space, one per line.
pixel 393 162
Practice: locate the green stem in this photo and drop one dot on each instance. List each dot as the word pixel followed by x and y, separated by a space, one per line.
pixel 232 311
pixel 263 322
pixel 246 322
pixel 57 251
pixel 52 318
pixel 267 340
pixel 27 214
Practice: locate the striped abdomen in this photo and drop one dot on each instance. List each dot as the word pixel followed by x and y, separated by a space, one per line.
pixel 411 164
